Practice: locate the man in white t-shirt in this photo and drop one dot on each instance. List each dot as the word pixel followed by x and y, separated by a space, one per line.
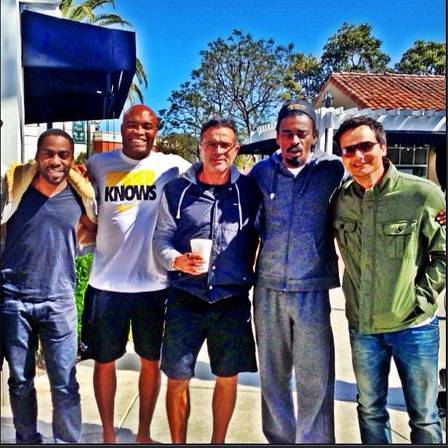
pixel 127 285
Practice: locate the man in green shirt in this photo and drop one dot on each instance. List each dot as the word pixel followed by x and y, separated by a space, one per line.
pixel 395 259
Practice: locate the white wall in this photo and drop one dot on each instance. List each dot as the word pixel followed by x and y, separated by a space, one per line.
pixel 15 141
pixel 11 84
pixel 32 132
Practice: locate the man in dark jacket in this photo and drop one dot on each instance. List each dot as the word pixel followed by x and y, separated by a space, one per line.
pixel 212 201
pixel 296 267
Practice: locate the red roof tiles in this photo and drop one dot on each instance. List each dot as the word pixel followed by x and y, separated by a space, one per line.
pixel 392 90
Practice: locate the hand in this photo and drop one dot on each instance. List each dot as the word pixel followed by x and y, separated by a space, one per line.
pixel 86 230
pixel 441 217
pixel 189 263
pixel 88 224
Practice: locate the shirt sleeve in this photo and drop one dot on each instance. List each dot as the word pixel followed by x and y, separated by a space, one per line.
pixel 91 169
pixel 166 228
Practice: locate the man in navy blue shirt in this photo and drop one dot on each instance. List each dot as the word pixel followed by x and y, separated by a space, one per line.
pixel 208 301
pixel 46 201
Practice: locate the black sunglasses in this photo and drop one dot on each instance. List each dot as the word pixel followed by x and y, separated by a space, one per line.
pixel 349 151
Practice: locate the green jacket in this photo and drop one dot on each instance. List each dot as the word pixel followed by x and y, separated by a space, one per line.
pixel 393 249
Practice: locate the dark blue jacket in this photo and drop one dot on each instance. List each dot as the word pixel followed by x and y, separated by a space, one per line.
pixel 297 250
pixel 227 215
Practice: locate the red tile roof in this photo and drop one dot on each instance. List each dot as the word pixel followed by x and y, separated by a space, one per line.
pixel 392 90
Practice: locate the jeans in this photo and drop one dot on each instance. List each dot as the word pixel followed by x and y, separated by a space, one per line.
pixel 415 352
pixel 294 332
pixel 54 322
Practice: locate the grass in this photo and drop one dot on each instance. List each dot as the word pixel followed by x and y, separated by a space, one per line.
pixel 83 265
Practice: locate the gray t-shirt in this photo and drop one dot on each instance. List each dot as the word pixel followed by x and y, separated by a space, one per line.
pixel 38 262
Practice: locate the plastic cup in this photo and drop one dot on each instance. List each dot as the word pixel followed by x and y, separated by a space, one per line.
pixel 202 247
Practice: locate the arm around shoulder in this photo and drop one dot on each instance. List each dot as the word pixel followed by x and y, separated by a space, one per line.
pixel 431 279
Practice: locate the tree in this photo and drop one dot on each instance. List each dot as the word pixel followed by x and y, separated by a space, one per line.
pixel 303 77
pixel 188 110
pixel 239 77
pixel 86 12
pixel 354 49
pixel 183 145
pixel 424 57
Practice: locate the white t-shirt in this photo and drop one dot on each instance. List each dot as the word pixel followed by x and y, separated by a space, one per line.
pixel 129 193
pixel 296 171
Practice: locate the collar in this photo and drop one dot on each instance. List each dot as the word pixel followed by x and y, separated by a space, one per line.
pixel 192 172
pixel 387 183
pixel 278 160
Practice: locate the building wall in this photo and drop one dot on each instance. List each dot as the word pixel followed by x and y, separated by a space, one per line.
pixel 101 141
pixel 417 159
pixel 32 132
pixel 11 85
pixel 106 141
pixel 340 99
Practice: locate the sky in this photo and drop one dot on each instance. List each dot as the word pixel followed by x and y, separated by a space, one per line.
pixel 171 33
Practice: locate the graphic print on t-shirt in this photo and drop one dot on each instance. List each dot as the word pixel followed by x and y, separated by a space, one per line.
pixel 130 187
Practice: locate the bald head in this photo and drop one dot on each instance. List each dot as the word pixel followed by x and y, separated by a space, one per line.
pixel 138 130
pixel 139 108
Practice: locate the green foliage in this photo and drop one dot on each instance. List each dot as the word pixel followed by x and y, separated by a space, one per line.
pixel 424 57
pixel 244 162
pixel 304 77
pixel 86 11
pixel 353 49
pixel 83 265
pixel 188 110
pixel 183 145
pixel 247 79
pixel 238 77
pixel 82 158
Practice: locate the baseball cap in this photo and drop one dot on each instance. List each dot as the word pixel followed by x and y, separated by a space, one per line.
pixel 300 106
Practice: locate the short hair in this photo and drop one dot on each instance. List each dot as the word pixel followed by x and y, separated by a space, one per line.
pixel 56 133
pixel 219 122
pixel 356 122
pixel 296 107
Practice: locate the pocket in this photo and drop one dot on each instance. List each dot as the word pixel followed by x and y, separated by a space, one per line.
pixel 304 250
pixel 398 235
pixel 344 229
pixel 61 318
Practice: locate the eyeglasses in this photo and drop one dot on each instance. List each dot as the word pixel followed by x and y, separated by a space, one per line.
pixel 363 147
pixel 213 146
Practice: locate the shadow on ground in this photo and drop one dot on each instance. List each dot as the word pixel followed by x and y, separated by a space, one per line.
pixel 91 433
pixel 344 391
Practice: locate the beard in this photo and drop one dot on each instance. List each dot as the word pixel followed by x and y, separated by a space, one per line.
pixel 295 158
pixel 295 161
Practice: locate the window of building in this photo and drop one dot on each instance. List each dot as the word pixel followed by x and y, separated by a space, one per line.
pixel 410 159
